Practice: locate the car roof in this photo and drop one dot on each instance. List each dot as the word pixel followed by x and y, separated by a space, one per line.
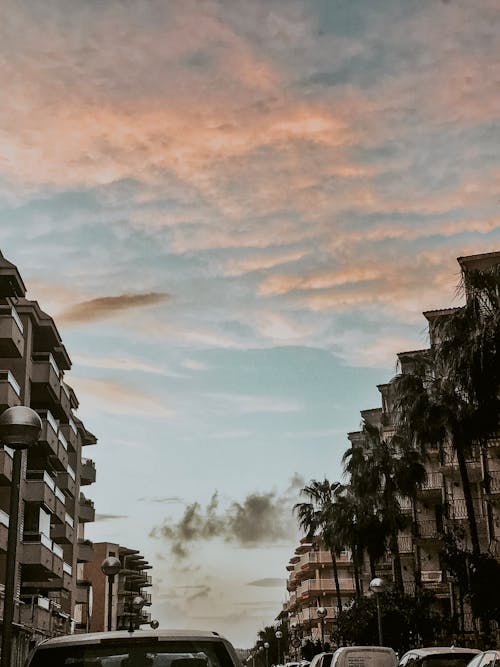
pixel 436 650
pixel 343 649
pixel 95 637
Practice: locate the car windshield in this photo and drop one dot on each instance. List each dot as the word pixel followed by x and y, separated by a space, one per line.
pixel 447 660
pixel 123 653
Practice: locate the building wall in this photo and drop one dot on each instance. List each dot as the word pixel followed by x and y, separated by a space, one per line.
pixel 33 371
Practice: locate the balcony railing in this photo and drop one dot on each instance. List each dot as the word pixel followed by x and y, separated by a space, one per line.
pixel 495 481
pixel 427 528
pixel 11 334
pixel 432 576
pixel 433 481
pixel 10 391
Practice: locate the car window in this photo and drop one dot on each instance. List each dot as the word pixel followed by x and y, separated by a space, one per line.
pixel 126 654
pixel 327 660
pixel 454 659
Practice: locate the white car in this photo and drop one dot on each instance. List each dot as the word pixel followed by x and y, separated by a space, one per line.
pixel 142 648
pixel 438 656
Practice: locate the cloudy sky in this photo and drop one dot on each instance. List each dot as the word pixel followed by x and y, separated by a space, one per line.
pixel 236 211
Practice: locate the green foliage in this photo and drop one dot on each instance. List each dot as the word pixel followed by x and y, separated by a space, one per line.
pixel 478 578
pixel 405 620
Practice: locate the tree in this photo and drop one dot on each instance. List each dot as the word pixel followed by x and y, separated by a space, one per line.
pixel 452 394
pixel 389 469
pixel 319 516
pixel 372 529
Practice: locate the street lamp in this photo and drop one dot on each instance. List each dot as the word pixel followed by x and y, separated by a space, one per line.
pixel 378 586
pixel 20 428
pixel 322 612
pixel 266 647
pixel 136 604
pixel 110 566
pixel 278 634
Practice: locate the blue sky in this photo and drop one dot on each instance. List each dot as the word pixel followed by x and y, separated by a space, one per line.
pixel 236 213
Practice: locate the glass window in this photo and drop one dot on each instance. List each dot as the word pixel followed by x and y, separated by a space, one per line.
pixel 447 660
pixel 144 652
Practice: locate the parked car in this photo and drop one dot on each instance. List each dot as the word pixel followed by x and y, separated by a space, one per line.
pixel 143 648
pixel 322 660
pixel 489 658
pixel 364 656
pixel 438 656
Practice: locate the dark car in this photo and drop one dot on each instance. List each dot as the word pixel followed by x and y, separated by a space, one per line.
pixel 438 656
pixel 159 648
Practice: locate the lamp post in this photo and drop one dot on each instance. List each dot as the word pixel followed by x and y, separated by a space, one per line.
pixel 20 428
pixel 278 634
pixel 110 566
pixel 136 604
pixel 378 586
pixel 321 613
pixel 266 648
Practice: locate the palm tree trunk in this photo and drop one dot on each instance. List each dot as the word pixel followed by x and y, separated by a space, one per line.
pixel 355 567
pixel 396 561
pixel 373 572
pixel 336 580
pixel 471 513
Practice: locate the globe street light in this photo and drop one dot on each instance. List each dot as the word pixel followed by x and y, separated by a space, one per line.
pixel 278 634
pixel 322 612
pixel 378 586
pixel 20 428
pixel 136 604
pixel 110 566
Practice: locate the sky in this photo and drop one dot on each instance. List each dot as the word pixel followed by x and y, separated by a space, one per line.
pixel 236 212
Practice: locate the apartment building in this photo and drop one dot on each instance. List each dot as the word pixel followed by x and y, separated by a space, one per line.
pixel 132 581
pixel 439 508
pixel 54 509
pixel 310 585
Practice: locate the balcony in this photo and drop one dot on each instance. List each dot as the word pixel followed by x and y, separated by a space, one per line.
pixel 60 506
pixel 494 484
pixel 11 334
pixel 458 509
pixel 65 401
pixel 70 432
pixel 10 391
pixel 63 580
pixel 86 511
pixel 46 384
pixel 48 437
pixel 87 472
pixel 39 561
pixel 449 464
pixel 427 529
pixel 315 587
pixel 63 533
pixel 405 544
pixel 85 552
pixel 36 613
pixel 5 468
pixel 40 489
pixel 66 481
pixel 432 487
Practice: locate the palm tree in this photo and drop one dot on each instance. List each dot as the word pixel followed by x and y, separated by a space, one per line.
pixel 391 468
pixel 318 516
pixel 372 524
pixel 452 394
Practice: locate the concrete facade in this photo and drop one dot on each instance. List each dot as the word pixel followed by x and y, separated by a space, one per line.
pixel 131 581
pixel 51 598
